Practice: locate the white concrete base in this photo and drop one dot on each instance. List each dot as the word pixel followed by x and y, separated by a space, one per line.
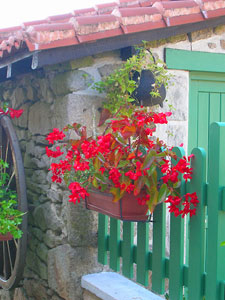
pixel 113 286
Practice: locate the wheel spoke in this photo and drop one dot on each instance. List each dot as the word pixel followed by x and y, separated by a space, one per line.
pixel 6 270
pixel 10 259
pixel 6 153
pixel 10 179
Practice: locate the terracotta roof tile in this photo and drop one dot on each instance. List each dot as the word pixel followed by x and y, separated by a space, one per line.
pixel 85 12
pixel 213 9
pixel 104 21
pixel 179 12
pixel 105 8
pixel 128 3
pixel 95 27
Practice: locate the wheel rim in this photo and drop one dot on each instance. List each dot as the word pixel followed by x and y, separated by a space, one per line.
pixel 13 252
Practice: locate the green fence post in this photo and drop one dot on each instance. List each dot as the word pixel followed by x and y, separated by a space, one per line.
pixel 114 244
pixel 102 238
pixel 127 249
pixel 197 226
pixel 176 248
pixel 142 252
pixel 158 253
pixel 215 266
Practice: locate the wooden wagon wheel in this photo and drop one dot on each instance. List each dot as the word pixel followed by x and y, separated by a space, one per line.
pixel 13 252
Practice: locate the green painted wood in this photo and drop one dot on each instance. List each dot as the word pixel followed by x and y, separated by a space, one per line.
pixel 222 110
pixel 194 60
pixel 193 116
pixel 214 107
pixel 142 252
pixel 197 226
pixel 202 119
pixel 127 249
pixel 114 244
pixel 176 248
pixel 102 238
pixel 206 105
pixel 222 290
pixel 223 200
pixel 208 77
pixel 216 218
pixel 158 254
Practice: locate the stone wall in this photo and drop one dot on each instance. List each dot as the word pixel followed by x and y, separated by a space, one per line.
pixel 63 237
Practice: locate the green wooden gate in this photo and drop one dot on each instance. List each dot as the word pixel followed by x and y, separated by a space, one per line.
pixel 203 274
pixel 206 105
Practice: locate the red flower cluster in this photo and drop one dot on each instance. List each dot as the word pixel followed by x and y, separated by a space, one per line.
pixel 189 204
pixel 14 113
pixel 125 158
pixel 56 135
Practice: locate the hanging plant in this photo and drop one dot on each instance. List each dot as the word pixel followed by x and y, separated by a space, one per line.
pixel 126 158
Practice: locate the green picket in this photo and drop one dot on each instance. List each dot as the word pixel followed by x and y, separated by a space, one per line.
pixel 102 238
pixel 127 249
pixel 114 244
pixel 216 218
pixel 222 290
pixel 197 225
pixel 142 252
pixel 176 248
pixel 158 254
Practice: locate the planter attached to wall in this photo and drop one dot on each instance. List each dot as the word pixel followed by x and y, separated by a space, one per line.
pixel 6 237
pixel 126 209
pixel 146 82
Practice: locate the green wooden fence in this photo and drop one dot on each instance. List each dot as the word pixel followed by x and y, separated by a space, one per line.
pixel 196 266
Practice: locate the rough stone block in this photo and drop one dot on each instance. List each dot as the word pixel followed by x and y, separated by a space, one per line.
pixel 80 108
pixel 201 34
pixel 89 296
pixel 36 289
pixel 34 263
pixel 20 294
pixel 22 122
pixel 69 82
pixel 47 217
pixel 107 69
pixel 42 252
pixel 178 134
pixel 65 268
pixel 81 225
pixel 39 121
pixel 37 233
pixel 81 63
pixel 177 96
pixel 18 97
pixel 5 295
pixel 219 29
pixel 52 240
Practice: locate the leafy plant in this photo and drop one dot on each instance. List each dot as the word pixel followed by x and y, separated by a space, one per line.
pixel 126 157
pixel 120 85
pixel 10 217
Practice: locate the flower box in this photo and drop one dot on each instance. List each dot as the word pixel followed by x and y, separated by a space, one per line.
pixel 6 237
pixel 126 209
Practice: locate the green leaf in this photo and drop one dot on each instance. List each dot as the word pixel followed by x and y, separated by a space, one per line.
pixel 149 159
pixel 100 178
pixel 151 170
pixel 162 193
pixel 138 185
pixel 117 193
pixel 101 157
pixel 222 244
pixel 123 163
